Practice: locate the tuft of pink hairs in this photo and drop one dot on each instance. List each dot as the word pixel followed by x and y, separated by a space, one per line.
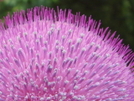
pixel 54 55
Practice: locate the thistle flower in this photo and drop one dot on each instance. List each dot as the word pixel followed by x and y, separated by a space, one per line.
pixel 48 55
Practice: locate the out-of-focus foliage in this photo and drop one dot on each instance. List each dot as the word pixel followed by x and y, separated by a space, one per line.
pixel 117 14
pixel 9 6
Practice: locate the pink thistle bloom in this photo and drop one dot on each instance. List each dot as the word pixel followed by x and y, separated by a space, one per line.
pixel 48 55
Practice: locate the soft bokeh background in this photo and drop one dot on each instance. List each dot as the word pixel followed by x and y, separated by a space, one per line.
pixel 116 14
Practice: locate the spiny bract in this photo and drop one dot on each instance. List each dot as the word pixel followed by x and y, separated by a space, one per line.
pixel 48 55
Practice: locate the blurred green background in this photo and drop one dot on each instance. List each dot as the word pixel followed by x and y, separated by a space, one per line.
pixel 116 14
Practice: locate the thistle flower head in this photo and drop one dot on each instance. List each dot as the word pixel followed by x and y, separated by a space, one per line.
pixel 48 55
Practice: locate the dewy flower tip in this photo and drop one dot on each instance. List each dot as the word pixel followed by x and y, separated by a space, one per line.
pixel 48 55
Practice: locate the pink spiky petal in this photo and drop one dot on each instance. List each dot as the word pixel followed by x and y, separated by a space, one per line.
pixel 48 55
